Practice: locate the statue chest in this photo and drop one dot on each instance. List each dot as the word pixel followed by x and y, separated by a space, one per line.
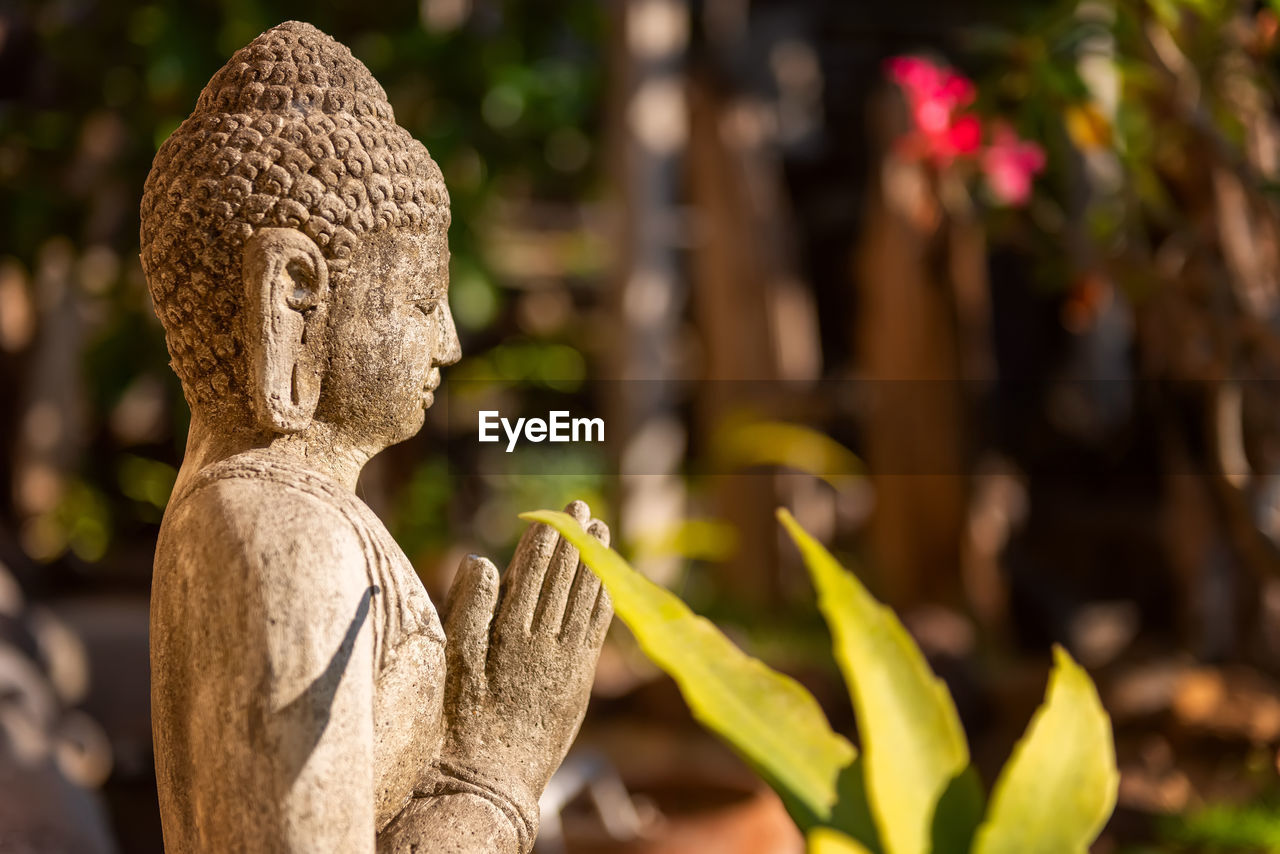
pixel 409 686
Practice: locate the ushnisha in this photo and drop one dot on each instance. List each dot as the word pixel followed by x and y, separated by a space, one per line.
pixel 306 697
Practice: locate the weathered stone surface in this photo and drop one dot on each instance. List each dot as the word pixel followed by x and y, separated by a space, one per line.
pixel 305 695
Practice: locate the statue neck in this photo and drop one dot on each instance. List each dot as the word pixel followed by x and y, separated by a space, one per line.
pixel 318 449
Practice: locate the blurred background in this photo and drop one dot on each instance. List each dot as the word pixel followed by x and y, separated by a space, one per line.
pixel 987 293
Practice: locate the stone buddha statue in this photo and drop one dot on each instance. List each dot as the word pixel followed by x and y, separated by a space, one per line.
pixel 306 696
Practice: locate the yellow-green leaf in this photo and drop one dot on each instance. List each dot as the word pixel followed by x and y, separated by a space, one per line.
pixel 692 539
pixel 773 722
pixel 743 444
pixel 1059 787
pixel 824 840
pixel 912 741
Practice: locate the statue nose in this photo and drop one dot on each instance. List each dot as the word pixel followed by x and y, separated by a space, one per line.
pixel 449 349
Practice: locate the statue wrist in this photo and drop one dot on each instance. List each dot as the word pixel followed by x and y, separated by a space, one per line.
pixel 519 806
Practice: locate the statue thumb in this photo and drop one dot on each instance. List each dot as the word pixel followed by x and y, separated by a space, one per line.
pixel 473 596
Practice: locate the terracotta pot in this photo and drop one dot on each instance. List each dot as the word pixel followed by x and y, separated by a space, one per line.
pixel 709 803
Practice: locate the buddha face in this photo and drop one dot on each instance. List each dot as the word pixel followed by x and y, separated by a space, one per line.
pixel 389 333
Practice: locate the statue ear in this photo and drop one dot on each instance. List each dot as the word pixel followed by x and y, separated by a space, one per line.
pixel 286 285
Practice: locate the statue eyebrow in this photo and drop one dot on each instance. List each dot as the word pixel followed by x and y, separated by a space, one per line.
pixel 419 295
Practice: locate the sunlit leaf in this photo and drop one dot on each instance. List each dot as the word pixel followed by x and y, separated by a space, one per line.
pixel 1059 787
pixel 773 722
pixel 824 840
pixel 779 443
pixel 692 539
pixel 913 743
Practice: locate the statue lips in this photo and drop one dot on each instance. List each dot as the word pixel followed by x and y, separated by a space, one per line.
pixel 429 387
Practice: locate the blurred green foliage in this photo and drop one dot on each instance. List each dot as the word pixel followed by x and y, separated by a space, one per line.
pixel 1226 828
pixel 1136 102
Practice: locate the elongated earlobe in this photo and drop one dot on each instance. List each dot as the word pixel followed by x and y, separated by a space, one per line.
pixel 286 289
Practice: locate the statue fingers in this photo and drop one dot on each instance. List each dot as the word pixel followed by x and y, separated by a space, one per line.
pixel 600 531
pixel 601 616
pixel 522 581
pixel 469 583
pixel 585 592
pixel 559 577
pixel 472 598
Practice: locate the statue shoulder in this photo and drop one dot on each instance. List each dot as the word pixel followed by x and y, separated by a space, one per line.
pixel 275 575
pixel 259 531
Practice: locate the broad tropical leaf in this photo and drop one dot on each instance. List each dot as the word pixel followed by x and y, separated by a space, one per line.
pixel 744 444
pixel 912 741
pixel 773 722
pixel 1059 786
pixel 824 840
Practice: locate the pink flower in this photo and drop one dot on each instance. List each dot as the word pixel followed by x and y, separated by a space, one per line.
pixel 964 136
pixel 943 131
pixel 1009 164
pixel 927 84
pixel 934 96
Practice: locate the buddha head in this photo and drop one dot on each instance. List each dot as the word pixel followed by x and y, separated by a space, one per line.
pixel 294 240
